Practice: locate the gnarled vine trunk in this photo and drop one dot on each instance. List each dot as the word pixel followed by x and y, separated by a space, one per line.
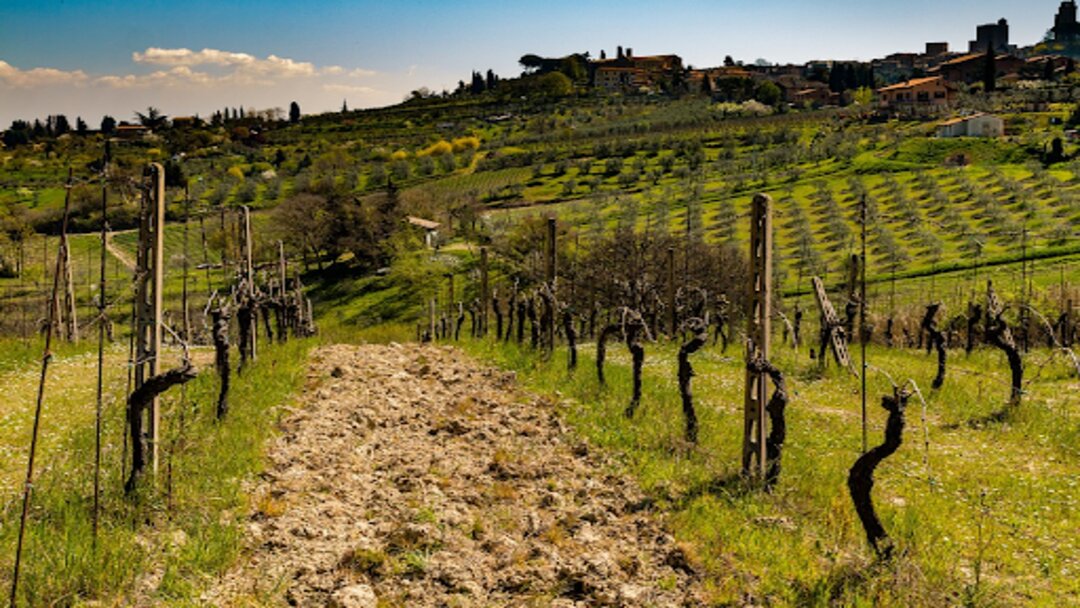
pixel 997 335
pixel 935 341
pixel 220 334
pixel 137 404
pixel 861 475
pixel 534 325
pixel 245 321
pixel 498 317
pixel 637 357
pixel 686 374
pixel 601 351
pixel 571 340
pixel 522 308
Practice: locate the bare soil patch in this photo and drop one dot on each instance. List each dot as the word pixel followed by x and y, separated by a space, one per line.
pixel 412 476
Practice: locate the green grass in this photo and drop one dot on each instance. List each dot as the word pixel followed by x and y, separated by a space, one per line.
pixel 802 545
pixel 186 530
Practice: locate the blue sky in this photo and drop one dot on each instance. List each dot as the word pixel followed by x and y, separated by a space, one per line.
pixel 88 58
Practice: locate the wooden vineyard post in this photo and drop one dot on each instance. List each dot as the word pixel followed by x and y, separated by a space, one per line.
pixel 149 275
pixel 249 275
pixel 485 292
pixel 70 312
pixel 830 324
pixel 159 281
pixel 283 269
pixel 757 337
pixel 1066 325
pixel 449 292
pixel 671 291
pixel 432 304
pixel 549 278
pixel 184 284
pixel 863 337
pixel 102 322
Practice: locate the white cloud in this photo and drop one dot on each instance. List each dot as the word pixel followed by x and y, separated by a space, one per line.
pixel 178 76
pixel 184 81
pixel 218 68
pixel 14 77
pixel 242 64
pixel 182 56
pixel 346 88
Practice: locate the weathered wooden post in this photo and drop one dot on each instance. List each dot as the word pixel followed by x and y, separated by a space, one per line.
pixel 549 278
pixel 432 305
pixel 671 292
pixel 1067 325
pixel 757 337
pixel 149 277
pixel 158 175
pixel 103 320
pixel 831 327
pixel 184 284
pixel 70 314
pixel 249 274
pixel 863 337
pixel 449 291
pixel 283 268
pixel 485 292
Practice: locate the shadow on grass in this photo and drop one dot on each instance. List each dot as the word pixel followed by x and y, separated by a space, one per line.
pixel 732 486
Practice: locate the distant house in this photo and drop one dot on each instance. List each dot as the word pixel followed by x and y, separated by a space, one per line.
pixel 933 92
pixel 630 73
pixel 430 228
pixel 181 122
pixel 975 125
pixel 616 79
pixel 128 131
pixel 815 96
pixel 971 68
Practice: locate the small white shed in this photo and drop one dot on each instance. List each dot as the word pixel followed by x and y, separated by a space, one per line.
pixel 430 228
pixel 974 125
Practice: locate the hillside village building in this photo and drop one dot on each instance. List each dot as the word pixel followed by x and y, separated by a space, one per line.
pixel 627 73
pixel 971 68
pixel 975 125
pixel 928 93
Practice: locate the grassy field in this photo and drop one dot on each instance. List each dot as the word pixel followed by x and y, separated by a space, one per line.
pixel 161 546
pixel 982 513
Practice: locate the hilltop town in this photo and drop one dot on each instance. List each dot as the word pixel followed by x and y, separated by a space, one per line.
pixel 905 81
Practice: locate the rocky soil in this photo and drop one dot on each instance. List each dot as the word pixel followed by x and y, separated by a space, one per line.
pixel 412 476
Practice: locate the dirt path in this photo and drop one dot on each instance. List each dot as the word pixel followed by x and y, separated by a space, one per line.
pixel 411 476
pixel 118 253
